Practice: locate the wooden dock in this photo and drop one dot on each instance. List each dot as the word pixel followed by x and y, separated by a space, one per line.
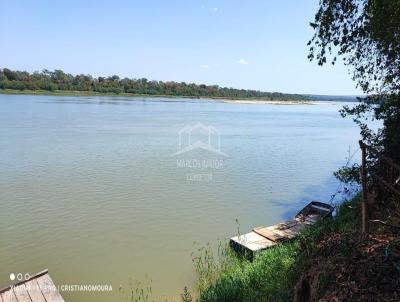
pixel 38 288
pixel 261 238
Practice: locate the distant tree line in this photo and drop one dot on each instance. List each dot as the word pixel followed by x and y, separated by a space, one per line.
pixel 58 80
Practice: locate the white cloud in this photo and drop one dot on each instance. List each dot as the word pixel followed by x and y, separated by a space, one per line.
pixel 243 61
pixel 215 9
pixel 205 66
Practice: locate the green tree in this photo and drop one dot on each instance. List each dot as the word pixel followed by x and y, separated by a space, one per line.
pixel 59 80
pixel 366 35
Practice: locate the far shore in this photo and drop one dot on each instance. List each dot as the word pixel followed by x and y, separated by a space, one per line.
pixel 217 99
pixel 269 102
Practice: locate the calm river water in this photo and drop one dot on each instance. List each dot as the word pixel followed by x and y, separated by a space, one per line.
pixel 104 190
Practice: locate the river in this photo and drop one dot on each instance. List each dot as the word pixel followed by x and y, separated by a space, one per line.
pixel 108 190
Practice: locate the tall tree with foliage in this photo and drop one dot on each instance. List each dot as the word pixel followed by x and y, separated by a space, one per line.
pixel 366 34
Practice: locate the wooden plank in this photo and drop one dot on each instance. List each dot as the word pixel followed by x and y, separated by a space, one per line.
pixel 281 231
pixel 299 227
pixel 9 296
pixel 34 291
pixel 287 224
pixel 253 241
pixel 295 230
pixel 21 293
pixel 285 234
pixel 310 219
pixel 49 290
pixel 313 218
pixel 270 234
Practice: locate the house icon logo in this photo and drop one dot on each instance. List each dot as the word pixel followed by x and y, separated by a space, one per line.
pixel 201 137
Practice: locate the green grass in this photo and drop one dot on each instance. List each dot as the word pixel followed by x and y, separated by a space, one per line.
pixel 271 276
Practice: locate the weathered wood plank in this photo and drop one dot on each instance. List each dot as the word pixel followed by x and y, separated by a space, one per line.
pixel 253 241
pixel 299 227
pixel 264 237
pixel 270 234
pixel 288 233
pixel 49 290
pixel 34 291
pixel 313 218
pixel 21 293
pixel 281 231
pixel 287 224
pixel 9 296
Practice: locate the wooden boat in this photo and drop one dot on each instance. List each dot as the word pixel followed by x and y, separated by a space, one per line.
pixel 261 238
pixel 315 211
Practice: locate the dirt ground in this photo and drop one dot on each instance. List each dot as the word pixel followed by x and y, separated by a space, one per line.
pixel 347 267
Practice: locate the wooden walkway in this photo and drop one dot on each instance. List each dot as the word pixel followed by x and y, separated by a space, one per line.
pixel 38 288
pixel 261 238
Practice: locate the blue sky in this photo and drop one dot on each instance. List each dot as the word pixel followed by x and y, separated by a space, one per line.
pixel 242 44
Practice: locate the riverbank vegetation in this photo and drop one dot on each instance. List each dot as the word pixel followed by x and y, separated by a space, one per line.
pixel 334 260
pixel 329 261
pixel 57 81
pixel 273 274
